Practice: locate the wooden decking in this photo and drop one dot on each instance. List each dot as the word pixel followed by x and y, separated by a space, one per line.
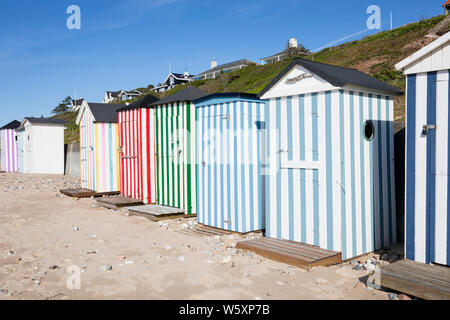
pixel 430 282
pixel 86 193
pixel 205 231
pixel 156 213
pixel 118 202
pixel 297 254
pixel 79 193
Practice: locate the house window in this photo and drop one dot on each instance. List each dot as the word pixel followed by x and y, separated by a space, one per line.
pixel 369 130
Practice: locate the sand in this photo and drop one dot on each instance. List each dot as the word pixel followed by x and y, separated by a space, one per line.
pixel 43 233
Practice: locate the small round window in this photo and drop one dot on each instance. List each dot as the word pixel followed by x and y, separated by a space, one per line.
pixel 369 130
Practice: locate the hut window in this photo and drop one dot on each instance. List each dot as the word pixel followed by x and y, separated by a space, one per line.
pixel 369 130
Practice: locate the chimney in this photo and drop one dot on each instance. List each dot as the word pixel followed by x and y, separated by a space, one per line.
pixel 293 43
pixel 214 64
pixel 186 74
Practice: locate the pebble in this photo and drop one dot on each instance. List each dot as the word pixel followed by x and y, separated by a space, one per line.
pixel 358 267
pixel 392 296
pixel 107 267
pixel 225 260
pixel 181 258
pixel 76 229
pixel 403 297
pixel 128 262
pixel 280 283
pixel 360 285
pixel 168 247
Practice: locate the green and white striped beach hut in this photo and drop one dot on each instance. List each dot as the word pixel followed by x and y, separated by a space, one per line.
pixel 176 150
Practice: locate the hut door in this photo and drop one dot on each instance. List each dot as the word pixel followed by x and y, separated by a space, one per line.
pixel 436 131
pixel 20 161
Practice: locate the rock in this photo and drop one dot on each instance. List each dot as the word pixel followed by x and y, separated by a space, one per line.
pixel 168 247
pixel 357 267
pixel 225 260
pixel 280 283
pixel 181 258
pixel 128 262
pixel 76 229
pixel 158 257
pixel 354 263
pixel 370 267
pixel 392 296
pixel 403 297
pixel 360 285
pixel 107 267
pixel 54 267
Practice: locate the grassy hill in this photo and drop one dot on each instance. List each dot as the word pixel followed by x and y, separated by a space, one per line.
pixel 376 55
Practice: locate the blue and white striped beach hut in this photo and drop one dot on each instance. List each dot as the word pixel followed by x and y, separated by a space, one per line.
pixel 428 153
pixel 229 146
pixel 330 175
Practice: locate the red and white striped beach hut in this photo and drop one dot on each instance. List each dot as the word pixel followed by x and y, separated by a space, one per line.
pixel 137 150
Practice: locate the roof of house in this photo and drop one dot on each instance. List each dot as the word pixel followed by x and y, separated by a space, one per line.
pixel 104 112
pixel 423 52
pixel 337 76
pixel 289 51
pixel 114 93
pixel 446 4
pixel 229 95
pixel 145 102
pixel 12 125
pixel 77 102
pixel 188 94
pixel 43 120
pixel 227 66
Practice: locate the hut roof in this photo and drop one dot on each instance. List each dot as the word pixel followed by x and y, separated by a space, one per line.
pixel 104 112
pixel 229 95
pixel 45 120
pixel 145 102
pixel 337 76
pixel 188 94
pixel 11 126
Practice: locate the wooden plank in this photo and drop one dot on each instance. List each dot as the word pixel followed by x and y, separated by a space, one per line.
pixel 79 193
pixel 430 282
pixel 289 252
pixel 158 213
pixel 117 202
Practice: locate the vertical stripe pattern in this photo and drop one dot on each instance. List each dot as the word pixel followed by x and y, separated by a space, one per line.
pixel 8 150
pixel 334 187
pixel 427 168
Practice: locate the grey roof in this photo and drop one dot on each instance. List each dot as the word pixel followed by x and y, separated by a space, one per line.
pixel 235 95
pixel 45 120
pixel 11 126
pixel 145 102
pixel 337 76
pixel 188 94
pixel 227 66
pixel 114 94
pixel 104 112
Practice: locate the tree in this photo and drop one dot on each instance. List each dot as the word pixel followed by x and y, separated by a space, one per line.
pixel 150 86
pixel 64 106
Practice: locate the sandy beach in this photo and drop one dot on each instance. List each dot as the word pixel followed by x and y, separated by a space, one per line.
pixel 43 234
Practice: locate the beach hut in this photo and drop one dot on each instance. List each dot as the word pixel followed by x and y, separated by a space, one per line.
pixel 229 181
pixel 428 153
pixel 99 147
pixel 137 145
pixel 8 147
pixel 176 150
pixel 40 143
pixel 330 159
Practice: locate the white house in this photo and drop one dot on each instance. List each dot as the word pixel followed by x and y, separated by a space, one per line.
pixel 428 153
pixel 121 95
pixel 41 146
pixel 172 80
pixel 216 70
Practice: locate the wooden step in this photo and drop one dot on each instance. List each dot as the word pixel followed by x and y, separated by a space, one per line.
pixel 430 282
pixel 118 202
pixel 294 253
pixel 157 213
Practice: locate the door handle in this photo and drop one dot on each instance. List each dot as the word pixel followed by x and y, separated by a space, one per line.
pixel 427 128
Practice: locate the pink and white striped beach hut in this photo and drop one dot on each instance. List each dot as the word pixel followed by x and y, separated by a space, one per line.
pixel 8 147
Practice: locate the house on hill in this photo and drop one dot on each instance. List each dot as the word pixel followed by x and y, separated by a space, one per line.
pixel 216 70
pixel 122 95
pixel 446 7
pixel 293 49
pixel 76 104
pixel 172 80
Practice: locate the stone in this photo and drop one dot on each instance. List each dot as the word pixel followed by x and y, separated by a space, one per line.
pixel 76 229
pixel 357 267
pixel 392 296
pixel 181 258
pixel 360 285
pixel 404 297
pixel 107 267
pixel 168 247
pixel 226 260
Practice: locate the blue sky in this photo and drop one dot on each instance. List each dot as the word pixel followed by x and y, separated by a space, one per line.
pixel 130 43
